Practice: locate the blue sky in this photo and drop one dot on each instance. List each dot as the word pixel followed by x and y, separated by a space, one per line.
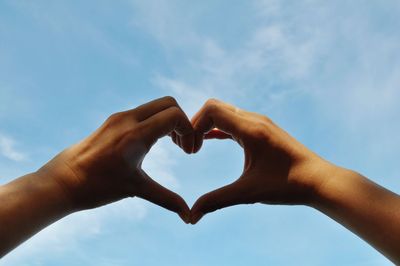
pixel 326 71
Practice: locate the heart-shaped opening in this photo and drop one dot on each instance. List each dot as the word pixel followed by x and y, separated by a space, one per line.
pixel 218 163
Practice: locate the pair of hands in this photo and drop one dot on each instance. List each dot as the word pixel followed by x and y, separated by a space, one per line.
pixel 106 166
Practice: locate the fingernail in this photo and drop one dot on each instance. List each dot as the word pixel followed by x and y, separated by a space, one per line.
pixel 196 217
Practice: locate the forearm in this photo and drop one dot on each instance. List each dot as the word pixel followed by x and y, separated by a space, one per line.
pixel 367 209
pixel 27 205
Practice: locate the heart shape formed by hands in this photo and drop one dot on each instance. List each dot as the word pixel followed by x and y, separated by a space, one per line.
pixel 107 165
pixel 276 165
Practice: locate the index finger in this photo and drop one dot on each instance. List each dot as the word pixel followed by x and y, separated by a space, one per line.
pixel 151 108
pixel 170 120
pixel 220 115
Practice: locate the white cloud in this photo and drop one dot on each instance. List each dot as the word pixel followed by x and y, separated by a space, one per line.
pixel 272 53
pixel 339 60
pixel 159 19
pixel 316 48
pixel 189 98
pixel 305 48
pixel 8 149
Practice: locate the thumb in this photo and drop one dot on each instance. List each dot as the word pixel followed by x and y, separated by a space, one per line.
pixel 157 194
pixel 230 195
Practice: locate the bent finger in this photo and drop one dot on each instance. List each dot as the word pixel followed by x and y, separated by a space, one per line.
pixel 151 108
pixel 216 114
pixel 172 119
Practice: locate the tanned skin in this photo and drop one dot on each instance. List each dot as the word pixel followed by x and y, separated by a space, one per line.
pixel 106 167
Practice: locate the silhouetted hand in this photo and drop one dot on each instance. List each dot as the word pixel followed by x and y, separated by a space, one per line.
pixel 277 168
pixel 280 170
pixel 106 166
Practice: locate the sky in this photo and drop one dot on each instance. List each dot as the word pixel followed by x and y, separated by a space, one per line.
pixel 328 72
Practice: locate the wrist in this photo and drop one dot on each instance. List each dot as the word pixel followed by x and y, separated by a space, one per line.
pixel 57 176
pixel 35 199
pixel 330 183
pixel 29 203
pixel 313 176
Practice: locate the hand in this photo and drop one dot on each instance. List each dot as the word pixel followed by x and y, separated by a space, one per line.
pixel 106 166
pixel 277 168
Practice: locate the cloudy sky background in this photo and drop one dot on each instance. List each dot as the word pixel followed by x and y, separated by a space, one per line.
pixel 326 71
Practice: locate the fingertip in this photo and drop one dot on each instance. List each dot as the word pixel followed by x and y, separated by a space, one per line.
pixel 185 216
pixel 194 218
pixel 197 210
pixel 198 142
pixel 183 209
pixel 156 193
pixel 187 143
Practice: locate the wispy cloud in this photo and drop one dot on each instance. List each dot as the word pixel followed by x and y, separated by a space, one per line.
pixel 189 97
pixel 306 49
pixel 264 55
pixel 8 149
pixel 271 55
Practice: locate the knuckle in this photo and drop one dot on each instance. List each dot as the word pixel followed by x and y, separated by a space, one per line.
pixel 213 101
pixel 266 119
pixel 171 100
pixel 115 118
pixel 259 131
pixel 211 105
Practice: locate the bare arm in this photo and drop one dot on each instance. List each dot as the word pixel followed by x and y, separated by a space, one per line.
pixel 29 204
pixel 280 170
pixel 103 168
pixel 367 209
